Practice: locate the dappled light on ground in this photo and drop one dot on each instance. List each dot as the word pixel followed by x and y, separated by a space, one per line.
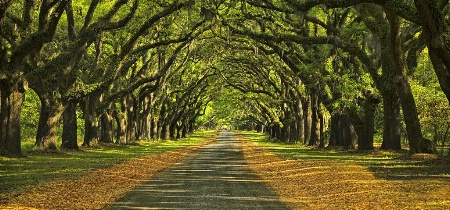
pixel 326 183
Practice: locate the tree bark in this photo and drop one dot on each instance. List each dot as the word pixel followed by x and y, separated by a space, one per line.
pixel 335 131
pixel 374 19
pixel 166 131
pixel 91 130
pixel 178 135
pixel 132 118
pixel 50 115
pixel 321 130
pixel 298 121
pixel 91 119
pixel 172 130
pixel 301 122
pixel 155 129
pixel 307 120
pixel 107 132
pixel 145 121
pixel 348 132
pixel 391 121
pixel 435 31
pixel 12 98
pixel 69 134
pixel 315 121
pixel 184 130
pixel 413 128
pixel 3 119
pixel 160 129
pixel 365 140
pixel 121 137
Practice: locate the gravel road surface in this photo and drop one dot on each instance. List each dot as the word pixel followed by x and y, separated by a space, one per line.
pixel 214 177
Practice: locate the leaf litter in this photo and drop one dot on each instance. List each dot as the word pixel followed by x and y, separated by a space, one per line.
pixel 302 184
pixel 99 188
pixel 338 184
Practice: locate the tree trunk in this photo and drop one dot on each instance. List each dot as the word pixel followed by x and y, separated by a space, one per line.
pixel 287 118
pixel 184 130
pixel 278 132
pixel 91 120
pixel 172 130
pixel 294 130
pixel 357 125
pixel 121 137
pixel 307 120
pixel 321 130
pixel 131 129
pixel 335 131
pixel 301 122
pixel 191 126
pixel 413 128
pixel 315 121
pixel 178 136
pixel 435 31
pixel 107 132
pixel 47 133
pixel 376 21
pixel 69 134
pixel 391 122
pixel 365 139
pixel 3 119
pixel 91 130
pixel 11 103
pixel 160 130
pixel 145 125
pixel 166 131
pixel 348 133
pixel 154 132
pixel 132 119
pixel 298 121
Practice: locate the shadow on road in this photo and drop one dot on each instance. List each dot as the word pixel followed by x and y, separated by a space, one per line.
pixel 216 177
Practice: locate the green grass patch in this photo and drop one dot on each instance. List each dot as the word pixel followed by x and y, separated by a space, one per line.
pixel 384 164
pixel 16 174
pixel 299 151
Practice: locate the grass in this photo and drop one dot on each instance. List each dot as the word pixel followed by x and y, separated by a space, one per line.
pixel 311 178
pixel 384 164
pixel 18 174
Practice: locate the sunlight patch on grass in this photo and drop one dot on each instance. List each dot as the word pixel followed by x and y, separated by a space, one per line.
pixel 299 151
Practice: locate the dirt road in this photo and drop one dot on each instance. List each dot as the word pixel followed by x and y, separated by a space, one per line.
pixel 215 177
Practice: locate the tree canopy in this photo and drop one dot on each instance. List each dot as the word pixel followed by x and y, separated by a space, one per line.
pixel 323 73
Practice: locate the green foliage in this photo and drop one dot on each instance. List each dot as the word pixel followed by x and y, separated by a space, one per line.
pixel 257 68
pixel 228 109
pixel 434 113
pixel 432 104
pixel 29 117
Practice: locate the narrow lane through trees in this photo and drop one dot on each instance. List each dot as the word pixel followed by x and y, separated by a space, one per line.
pixel 216 177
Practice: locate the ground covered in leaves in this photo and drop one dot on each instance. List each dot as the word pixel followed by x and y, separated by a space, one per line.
pixel 303 178
pixel 321 182
pixel 98 188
